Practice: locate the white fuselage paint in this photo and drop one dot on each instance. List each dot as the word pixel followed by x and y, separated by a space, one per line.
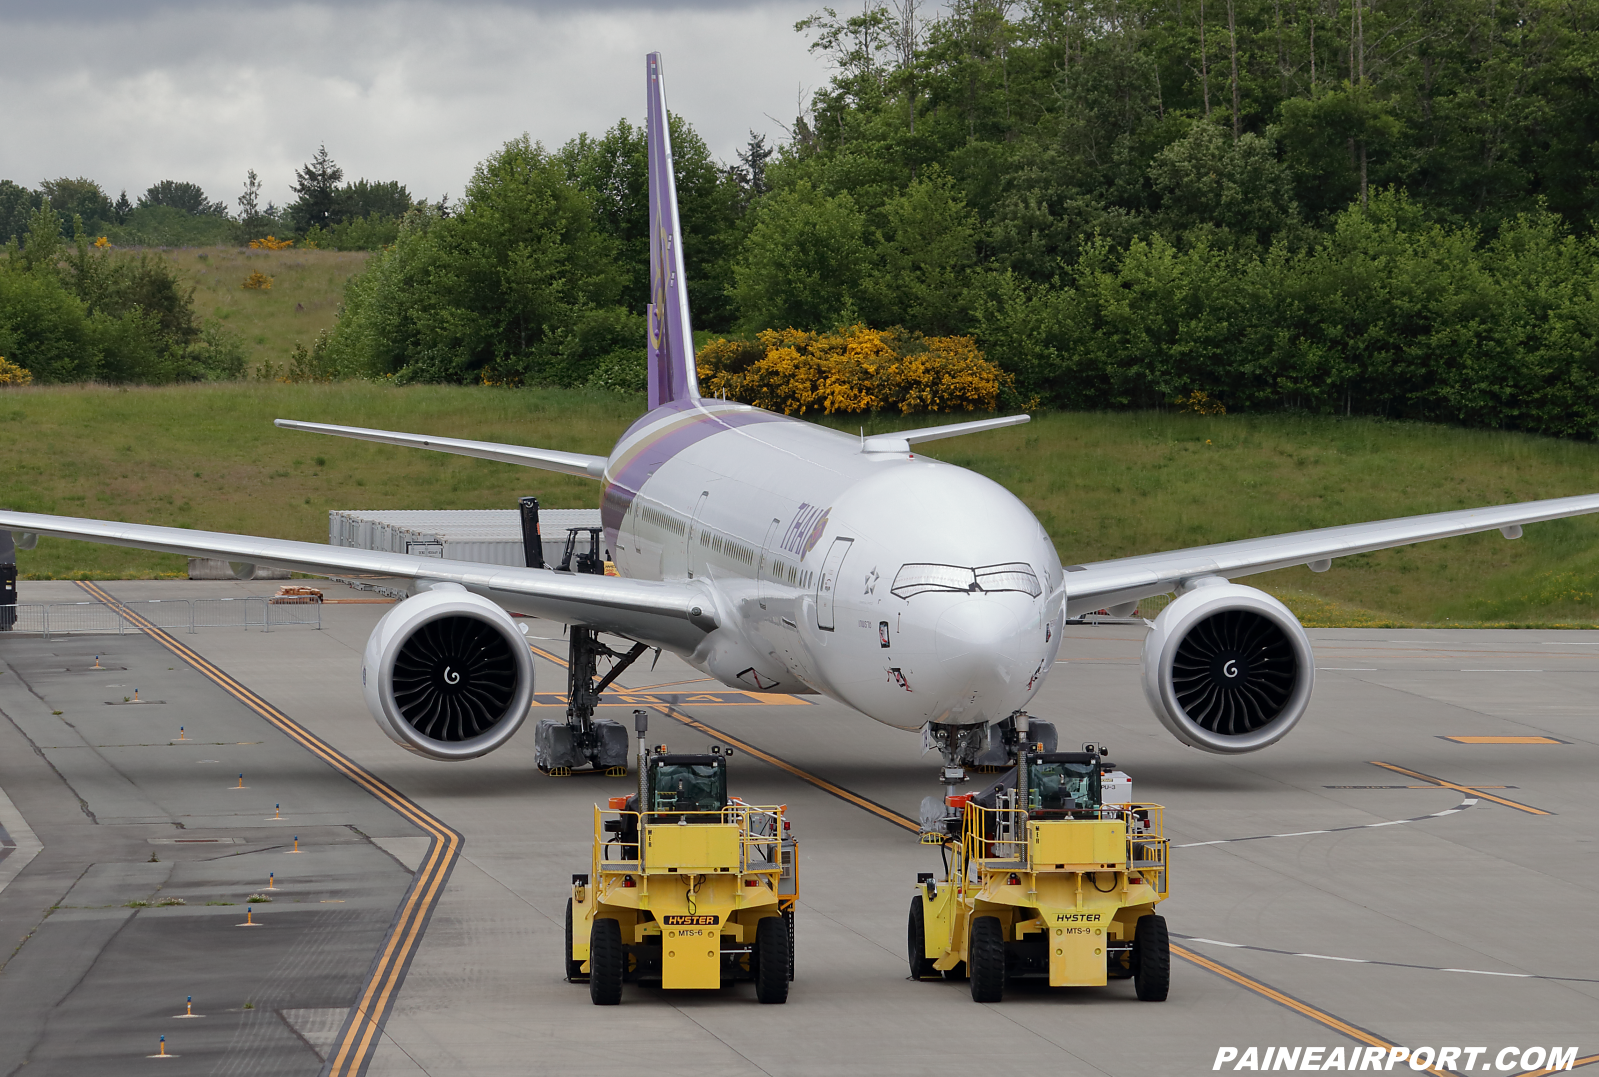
pixel 806 602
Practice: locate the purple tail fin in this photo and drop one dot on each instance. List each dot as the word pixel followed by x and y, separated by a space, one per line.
pixel 671 339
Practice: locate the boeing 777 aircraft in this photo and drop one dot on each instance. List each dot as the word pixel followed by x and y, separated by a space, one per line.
pixel 780 556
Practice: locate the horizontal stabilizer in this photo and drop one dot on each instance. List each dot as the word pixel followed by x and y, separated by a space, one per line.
pixel 568 463
pixel 902 439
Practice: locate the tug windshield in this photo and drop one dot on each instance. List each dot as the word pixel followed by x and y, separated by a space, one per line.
pixel 689 786
pixel 1059 783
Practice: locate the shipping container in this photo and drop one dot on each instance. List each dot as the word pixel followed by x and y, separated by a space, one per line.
pixel 484 536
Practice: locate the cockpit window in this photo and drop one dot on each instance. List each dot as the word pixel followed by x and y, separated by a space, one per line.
pixel 919 579
pixel 1014 576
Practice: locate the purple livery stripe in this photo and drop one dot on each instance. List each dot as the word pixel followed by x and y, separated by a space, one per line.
pixel 631 468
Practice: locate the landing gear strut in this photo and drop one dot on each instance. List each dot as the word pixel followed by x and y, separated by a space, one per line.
pixel 992 747
pixel 559 746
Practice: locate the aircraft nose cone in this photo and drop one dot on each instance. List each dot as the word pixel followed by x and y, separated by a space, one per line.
pixel 979 654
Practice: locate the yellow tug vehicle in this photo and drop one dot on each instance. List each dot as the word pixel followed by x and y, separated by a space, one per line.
pixel 687 887
pixel 1044 881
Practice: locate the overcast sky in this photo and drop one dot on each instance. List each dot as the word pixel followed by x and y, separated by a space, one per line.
pixel 128 92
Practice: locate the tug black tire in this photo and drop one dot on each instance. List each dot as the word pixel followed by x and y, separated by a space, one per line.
pixel 788 922
pixel 987 959
pixel 771 960
pixel 916 942
pixel 1151 959
pixel 574 969
pixel 607 963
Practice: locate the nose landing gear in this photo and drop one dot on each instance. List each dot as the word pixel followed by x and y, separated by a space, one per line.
pixel 989 748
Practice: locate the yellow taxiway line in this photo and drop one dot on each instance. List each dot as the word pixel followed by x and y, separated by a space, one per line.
pixel 358 1040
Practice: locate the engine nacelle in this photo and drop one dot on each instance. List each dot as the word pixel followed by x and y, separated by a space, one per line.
pixel 448 674
pixel 1228 668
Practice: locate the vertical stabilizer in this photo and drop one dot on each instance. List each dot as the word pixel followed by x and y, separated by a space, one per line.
pixel 671 340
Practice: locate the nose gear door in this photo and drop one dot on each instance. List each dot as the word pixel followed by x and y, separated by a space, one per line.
pixel 827 582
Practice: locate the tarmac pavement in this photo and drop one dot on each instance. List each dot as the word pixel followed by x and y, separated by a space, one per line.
pixel 1471 927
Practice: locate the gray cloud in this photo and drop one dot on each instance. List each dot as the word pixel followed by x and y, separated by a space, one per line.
pixel 414 91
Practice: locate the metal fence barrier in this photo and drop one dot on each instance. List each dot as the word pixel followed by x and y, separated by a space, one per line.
pixel 173 614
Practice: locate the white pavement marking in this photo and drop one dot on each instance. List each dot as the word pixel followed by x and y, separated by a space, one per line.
pixel 1462 806
pixel 18 845
pixel 1391 964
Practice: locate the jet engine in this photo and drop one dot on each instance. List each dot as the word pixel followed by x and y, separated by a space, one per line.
pixel 1227 668
pixel 447 674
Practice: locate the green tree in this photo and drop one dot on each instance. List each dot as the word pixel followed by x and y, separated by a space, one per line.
pixel 1237 185
pixel 188 197
pixel 366 198
pixel 614 171
pixel 803 263
pixel 17 205
pixel 497 291
pixel 317 184
pixel 71 312
pixel 925 253
pixel 256 220
pixel 81 197
pixel 1329 141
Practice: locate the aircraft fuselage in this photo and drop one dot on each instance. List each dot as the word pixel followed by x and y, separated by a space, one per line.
pixel 909 589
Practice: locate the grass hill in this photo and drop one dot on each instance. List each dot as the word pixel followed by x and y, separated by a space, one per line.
pixel 1104 485
pixel 307 286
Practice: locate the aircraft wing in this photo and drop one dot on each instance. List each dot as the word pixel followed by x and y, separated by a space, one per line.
pixel 1107 583
pixel 568 463
pixel 673 615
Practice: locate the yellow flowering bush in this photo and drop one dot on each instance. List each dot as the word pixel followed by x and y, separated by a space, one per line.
pixel 257 279
pixel 12 374
pixel 851 370
pixel 271 243
pixel 102 243
pixel 1200 403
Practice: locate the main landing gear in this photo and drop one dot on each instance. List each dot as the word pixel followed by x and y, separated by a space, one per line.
pixel 560 746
